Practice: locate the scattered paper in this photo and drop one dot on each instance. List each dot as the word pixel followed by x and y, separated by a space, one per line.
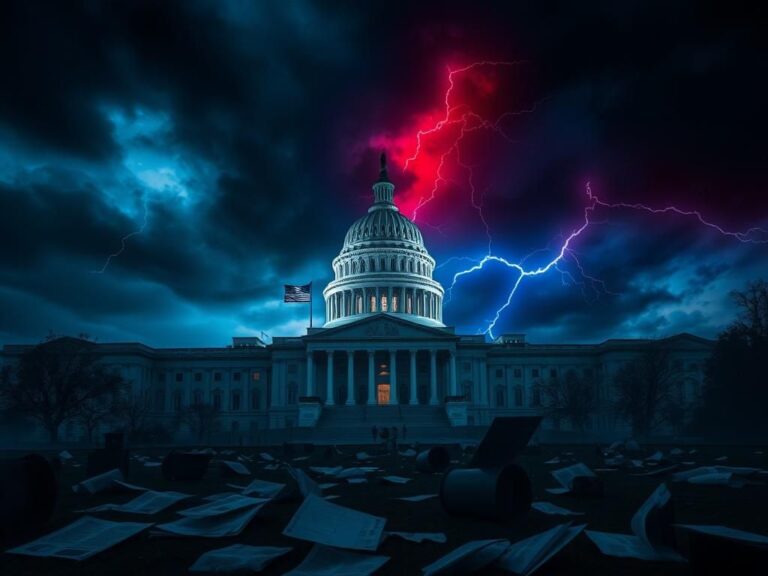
pixel 325 561
pixel 528 555
pixel 322 522
pixel 408 453
pixel 727 533
pixel 555 460
pixel 222 506
pixel 65 455
pixel 300 458
pixel 639 544
pixel 267 457
pixel 327 485
pixel 326 471
pixel 307 486
pixel 235 467
pixel 149 464
pixel 357 480
pixel 220 526
pixel 468 557
pixel 395 479
pixel 566 475
pixel 99 483
pixel 630 546
pixel 418 498
pixel 262 488
pixel 81 539
pixel 721 459
pixel 149 502
pixel 419 537
pixel 363 456
pixel 554 510
pixel 238 558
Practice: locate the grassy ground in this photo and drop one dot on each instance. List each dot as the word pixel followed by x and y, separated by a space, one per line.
pixel 745 508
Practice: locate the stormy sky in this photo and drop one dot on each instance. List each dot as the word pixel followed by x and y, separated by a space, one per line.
pixel 166 166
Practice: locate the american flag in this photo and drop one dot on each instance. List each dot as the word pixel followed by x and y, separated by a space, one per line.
pixel 298 293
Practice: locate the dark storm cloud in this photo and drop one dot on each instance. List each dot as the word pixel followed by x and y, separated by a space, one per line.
pixel 224 132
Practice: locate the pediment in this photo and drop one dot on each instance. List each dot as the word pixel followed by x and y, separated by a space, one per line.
pixel 382 327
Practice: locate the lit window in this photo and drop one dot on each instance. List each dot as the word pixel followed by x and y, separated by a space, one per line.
pixel 383 303
pixel 373 303
pixel 256 376
pixel 394 303
pixel 359 304
pixel 409 305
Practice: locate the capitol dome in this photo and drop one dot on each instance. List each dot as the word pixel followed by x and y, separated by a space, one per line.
pixel 383 267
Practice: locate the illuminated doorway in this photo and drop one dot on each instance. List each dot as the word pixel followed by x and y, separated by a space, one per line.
pixel 382 393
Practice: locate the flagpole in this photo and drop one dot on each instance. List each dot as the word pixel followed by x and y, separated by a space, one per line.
pixel 310 304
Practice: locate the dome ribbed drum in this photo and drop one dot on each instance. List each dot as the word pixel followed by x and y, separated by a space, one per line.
pixel 383 267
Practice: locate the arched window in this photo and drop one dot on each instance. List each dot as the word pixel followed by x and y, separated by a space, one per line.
pixel 354 267
pixel 418 267
pixel 402 265
pixel 373 303
pixel 160 399
pixel 217 399
pixel 518 395
pixel 410 265
pixel 292 392
pixel 393 264
pixel 235 399
pixel 362 266
pixel 346 268
pixel 536 401
pixel 359 304
pixel 383 265
pixel 197 397
pixel 373 265
pixel 177 396
pixel 255 399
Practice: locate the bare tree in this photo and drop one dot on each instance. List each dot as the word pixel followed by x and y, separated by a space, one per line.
pixel 55 380
pixel 573 399
pixel 645 388
pixel 131 413
pixel 201 419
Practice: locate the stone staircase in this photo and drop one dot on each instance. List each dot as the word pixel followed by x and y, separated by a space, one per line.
pixel 352 424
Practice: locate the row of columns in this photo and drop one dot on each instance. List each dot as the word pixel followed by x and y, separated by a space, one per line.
pixel 365 300
pixel 393 389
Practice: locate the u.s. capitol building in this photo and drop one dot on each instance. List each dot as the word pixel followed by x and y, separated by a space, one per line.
pixel 383 356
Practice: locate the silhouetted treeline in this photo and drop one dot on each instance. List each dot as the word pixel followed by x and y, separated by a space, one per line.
pixel 735 398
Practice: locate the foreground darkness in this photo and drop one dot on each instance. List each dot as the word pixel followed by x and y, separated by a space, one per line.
pixel 744 508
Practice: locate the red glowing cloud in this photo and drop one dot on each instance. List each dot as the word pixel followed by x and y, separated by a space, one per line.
pixel 437 148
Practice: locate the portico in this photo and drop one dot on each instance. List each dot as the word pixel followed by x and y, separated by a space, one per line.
pixel 379 360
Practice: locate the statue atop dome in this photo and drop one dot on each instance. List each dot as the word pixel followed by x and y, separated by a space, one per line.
pixel 383 175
